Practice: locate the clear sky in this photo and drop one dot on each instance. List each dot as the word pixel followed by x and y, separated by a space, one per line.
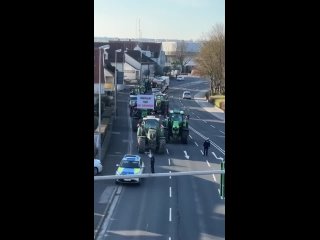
pixel 159 19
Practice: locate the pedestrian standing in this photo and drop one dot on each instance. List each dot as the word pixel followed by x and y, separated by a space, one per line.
pixel 151 161
pixel 206 146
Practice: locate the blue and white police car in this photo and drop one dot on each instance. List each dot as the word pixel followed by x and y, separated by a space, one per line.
pixel 130 165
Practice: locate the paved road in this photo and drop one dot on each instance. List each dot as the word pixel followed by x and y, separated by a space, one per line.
pixel 185 207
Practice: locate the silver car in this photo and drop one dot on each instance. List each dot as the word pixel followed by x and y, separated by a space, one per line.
pixel 186 95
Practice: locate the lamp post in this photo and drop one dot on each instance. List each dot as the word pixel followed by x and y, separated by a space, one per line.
pixel 104 48
pixel 115 83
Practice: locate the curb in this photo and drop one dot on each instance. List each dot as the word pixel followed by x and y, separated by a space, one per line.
pixel 106 140
pixel 105 212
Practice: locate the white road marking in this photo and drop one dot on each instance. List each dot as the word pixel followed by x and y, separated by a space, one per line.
pixel 169 214
pixel 208 163
pixel 186 154
pixel 214 178
pixel 169 238
pixel 204 121
pixel 219 158
pixel 196 144
pixel 169 176
pixel 170 191
pixel 201 152
pixel 98 214
pixel 119 190
pixel 107 219
pixel 212 126
pixel 190 136
pixel 167 151
pixel 204 137
pixel 198 117
pixel 221 132
pixel 219 191
pixel 169 161
pixel 104 197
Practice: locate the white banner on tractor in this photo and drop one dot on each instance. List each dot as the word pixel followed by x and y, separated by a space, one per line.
pixel 145 101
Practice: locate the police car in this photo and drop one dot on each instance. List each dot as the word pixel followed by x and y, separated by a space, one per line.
pixel 130 165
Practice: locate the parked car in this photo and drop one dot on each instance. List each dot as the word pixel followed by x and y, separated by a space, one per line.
pixel 97 166
pixel 130 165
pixel 180 78
pixel 155 91
pixel 186 95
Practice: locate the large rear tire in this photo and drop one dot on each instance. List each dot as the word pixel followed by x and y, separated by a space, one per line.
pixel 166 134
pixel 162 145
pixel 134 123
pixel 184 137
pixel 141 144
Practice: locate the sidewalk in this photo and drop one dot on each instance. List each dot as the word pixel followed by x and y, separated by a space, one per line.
pixel 203 102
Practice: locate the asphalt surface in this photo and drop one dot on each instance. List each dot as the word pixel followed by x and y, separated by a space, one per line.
pixel 184 207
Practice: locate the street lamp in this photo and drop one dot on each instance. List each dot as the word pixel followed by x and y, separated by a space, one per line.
pixel 104 48
pixel 115 82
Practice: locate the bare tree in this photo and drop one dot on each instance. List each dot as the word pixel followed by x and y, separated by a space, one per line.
pixel 211 59
pixel 182 57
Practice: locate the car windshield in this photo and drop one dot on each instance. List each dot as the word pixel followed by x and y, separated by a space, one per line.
pixel 158 97
pixel 177 117
pixel 186 93
pixel 151 123
pixel 129 164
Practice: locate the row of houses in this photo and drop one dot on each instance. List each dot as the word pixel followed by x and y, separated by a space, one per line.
pixel 135 60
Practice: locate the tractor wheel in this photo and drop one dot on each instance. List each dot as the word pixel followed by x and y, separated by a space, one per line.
pixel 166 134
pixel 162 145
pixel 184 137
pixel 134 123
pixel 141 144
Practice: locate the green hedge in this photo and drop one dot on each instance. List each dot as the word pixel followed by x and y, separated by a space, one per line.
pixel 216 99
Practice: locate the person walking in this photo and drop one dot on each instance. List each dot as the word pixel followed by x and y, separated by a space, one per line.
pixel 206 146
pixel 151 161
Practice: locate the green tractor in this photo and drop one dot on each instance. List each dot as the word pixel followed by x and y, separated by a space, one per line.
pixel 137 115
pixel 161 104
pixel 138 89
pixel 176 127
pixel 150 135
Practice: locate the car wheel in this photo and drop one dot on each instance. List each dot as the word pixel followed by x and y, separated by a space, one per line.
pixel 95 171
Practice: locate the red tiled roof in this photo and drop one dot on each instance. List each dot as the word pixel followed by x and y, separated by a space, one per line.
pixel 153 47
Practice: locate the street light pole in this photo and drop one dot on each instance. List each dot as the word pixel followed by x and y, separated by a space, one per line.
pixel 115 83
pixel 99 104
pixel 100 142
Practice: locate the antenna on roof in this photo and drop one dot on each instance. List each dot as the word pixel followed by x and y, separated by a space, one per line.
pixel 136 28
pixel 139 31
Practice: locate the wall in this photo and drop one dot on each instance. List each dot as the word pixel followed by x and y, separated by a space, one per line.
pixel 129 72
